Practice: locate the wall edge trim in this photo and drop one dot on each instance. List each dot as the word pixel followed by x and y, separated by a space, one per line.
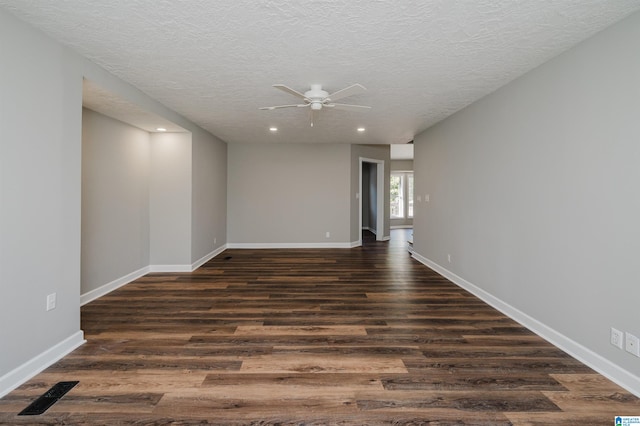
pixel 612 371
pixel 40 362
pixel 113 285
pixel 207 257
pixel 170 268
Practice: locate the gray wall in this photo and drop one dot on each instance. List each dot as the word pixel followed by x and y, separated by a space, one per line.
pixel 208 167
pixel 170 199
pixel 209 194
pixel 40 195
pixel 402 165
pixel 534 193
pixel 288 193
pixel 115 200
pixel 148 200
pixel 40 118
pixel 294 193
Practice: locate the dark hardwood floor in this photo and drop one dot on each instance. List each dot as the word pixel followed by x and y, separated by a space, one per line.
pixel 328 336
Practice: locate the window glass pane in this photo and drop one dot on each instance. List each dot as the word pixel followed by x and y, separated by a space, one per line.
pixel 397 203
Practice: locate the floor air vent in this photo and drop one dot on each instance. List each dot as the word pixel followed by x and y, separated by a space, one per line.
pixel 49 398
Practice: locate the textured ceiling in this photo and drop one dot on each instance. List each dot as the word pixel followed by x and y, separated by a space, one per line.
pixel 214 61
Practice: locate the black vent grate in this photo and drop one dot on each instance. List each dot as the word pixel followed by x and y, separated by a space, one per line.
pixel 49 398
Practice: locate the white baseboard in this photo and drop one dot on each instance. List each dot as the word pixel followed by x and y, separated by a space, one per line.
pixel 612 371
pixel 26 371
pixel 169 268
pixel 287 245
pixel 207 257
pixel 355 244
pixel 109 287
pixel 15 378
pixel 188 268
pixel 401 226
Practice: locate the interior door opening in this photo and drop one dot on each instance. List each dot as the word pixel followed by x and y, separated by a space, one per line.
pixel 371 200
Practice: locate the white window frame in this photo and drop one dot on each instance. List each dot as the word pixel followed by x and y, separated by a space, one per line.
pixel 405 197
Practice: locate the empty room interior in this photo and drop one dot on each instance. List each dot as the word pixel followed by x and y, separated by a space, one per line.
pixel 320 212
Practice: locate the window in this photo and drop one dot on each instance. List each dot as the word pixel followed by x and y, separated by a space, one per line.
pixel 410 194
pixel 397 196
pixel 401 195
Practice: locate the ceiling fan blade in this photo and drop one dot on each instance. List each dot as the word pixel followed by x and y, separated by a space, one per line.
pixel 285 106
pixel 347 107
pixel 354 89
pixel 289 90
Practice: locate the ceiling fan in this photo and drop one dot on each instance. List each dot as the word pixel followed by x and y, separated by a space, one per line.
pixel 316 98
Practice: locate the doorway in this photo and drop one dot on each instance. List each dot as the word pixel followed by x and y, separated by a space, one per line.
pixel 371 200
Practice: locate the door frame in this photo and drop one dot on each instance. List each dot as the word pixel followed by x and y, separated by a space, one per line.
pixel 379 200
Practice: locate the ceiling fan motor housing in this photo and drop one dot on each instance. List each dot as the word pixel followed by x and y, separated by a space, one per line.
pixel 316 96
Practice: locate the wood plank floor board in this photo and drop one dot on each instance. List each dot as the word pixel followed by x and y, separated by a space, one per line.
pixel 586 383
pixel 495 401
pixel 363 336
pixel 583 417
pixel 355 381
pixel 118 382
pixel 602 401
pixel 497 365
pixel 472 382
pixel 323 363
pixel 475 351
pixel 136 363
pixel 294 330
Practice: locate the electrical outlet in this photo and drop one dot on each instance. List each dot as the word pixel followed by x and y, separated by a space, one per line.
pixel 51 301
pixel 632 344
pixel 616 338
pixel 449 258
pixel 327 235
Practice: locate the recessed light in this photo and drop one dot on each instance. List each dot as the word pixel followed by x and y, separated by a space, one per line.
pixel 361 129
pixel 273 129
pixel 161 129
